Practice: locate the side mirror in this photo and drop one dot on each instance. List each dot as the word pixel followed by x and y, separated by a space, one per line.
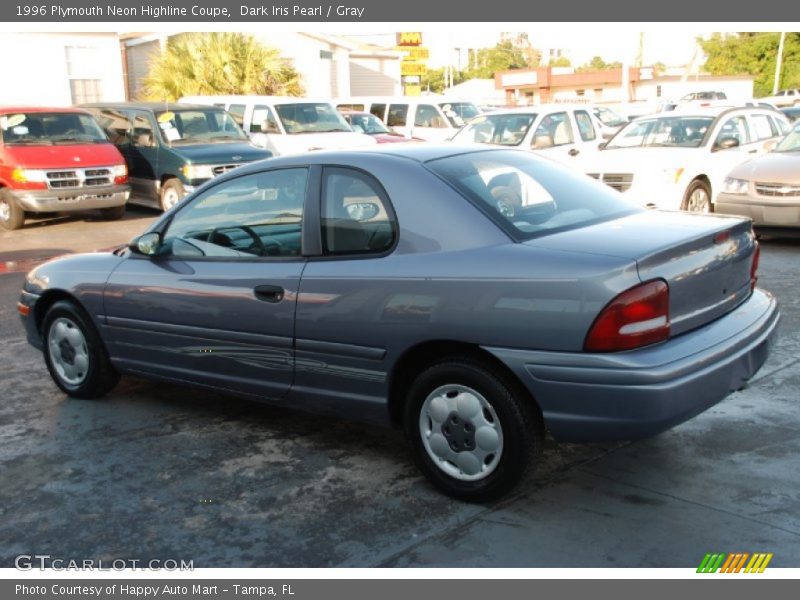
pixel 362 211
pixel 602 145
pixel 726 143
pixel 268 126
pixel 769 145
pixel 147 244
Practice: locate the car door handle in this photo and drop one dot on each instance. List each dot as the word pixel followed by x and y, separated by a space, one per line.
pixel 753 151
pixel 574 152
pixel 269 293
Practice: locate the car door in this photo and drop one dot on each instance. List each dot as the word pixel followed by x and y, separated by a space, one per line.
pixel 721 159
pixel 764 132
pixel 215 305
pixel 264 129
pixel 339 360
pixel 554 137
pixel 588 139
pixel 430 124
pixel 143 161
pixel 398 119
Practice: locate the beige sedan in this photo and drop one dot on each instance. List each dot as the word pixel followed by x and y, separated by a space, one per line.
pixel 766 189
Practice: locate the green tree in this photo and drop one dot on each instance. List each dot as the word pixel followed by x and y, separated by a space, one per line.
pixel 485 62
pixel 598 64
pixel 219 63
pixel 561 61
pixel 754 54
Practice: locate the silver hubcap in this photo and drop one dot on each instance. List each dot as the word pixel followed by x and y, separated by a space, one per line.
pixel 5 210
pixel 698 201
pixel 461 432
pixel 68 353
pixel 170 198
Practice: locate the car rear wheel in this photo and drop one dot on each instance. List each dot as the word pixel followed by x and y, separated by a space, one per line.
pixel 113 213
pixel 472 434
pixel 697 197
pixel 11 215
pixel 172 192
pixel 74 353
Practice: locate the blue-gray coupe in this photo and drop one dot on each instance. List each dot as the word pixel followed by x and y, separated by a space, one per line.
pixel 475 297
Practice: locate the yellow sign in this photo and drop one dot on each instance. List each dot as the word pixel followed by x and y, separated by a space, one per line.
pixel 413 68
pixel 409 38
pixel 414 52
pixel 413 90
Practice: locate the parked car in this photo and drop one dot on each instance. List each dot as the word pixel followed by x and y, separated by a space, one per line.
pixel 57 160
pixel 288 125
pixel 679 160
pixel 472 296
pixel 610 121
pixel 793 113
pixel 702 100
pixel 369 124
pixel 766 189
pixel 566 133
pixel 171 149
pixel 784 98
pixel 431 118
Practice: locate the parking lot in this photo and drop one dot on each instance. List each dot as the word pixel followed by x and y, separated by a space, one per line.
pixel 156 471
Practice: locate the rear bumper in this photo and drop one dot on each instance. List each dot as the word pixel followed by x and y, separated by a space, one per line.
pixel 639 393
pixel 62 200
pixel 775 212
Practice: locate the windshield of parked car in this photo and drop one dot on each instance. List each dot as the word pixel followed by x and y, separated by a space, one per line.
pixel 529 196
pixel 459 113
pixel 791 143
pixel 49 129
pixel 676 131
pixel 198 126
pixel 366 123
pixel 608 117
pixel 507 129
pixel 311 117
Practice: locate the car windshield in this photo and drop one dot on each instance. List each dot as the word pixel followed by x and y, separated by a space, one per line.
pixel 199 126
pixel 311 117
pixel 529 196
pixel 608 117
pixel 367 123
pixel 676 131
pixel 50 128
pixel 459 113
pixel 501 129
pixel 791 143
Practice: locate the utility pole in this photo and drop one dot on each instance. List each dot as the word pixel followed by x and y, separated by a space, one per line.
pixel 776 85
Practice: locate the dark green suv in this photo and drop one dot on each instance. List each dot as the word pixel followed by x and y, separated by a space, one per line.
pixel 170 149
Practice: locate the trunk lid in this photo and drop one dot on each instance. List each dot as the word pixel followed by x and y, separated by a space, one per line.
pixel 704 259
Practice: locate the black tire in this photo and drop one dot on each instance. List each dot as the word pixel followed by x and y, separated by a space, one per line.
pixel 113 213
pixel 100 376
pixel 11 215
pixel 520 422
pixel 171 190
pixel 694 186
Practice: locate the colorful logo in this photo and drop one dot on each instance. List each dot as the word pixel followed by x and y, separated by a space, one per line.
pixel 735 562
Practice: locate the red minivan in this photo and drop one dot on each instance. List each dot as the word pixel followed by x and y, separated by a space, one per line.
pixel 57 160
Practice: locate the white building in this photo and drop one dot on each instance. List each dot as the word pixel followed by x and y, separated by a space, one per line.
pixel 59 69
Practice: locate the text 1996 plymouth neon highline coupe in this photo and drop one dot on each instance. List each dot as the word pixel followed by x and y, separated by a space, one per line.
pixel 475 297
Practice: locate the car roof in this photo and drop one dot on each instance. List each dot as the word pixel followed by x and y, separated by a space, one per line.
pixel 151 106
pixel 245 99
pixel 40 109
pixel 538 108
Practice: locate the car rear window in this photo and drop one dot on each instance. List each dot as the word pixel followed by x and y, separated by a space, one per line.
pixel 529 196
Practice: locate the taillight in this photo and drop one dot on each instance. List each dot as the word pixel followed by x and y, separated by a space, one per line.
pixel 754 266
pixel 637 317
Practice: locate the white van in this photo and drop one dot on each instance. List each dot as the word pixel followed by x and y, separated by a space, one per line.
pixel 431 118
pixel 288 125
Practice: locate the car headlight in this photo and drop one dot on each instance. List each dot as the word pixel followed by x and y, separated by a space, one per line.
pixel 673 175
pixel 732 185
pixel 28 175
pixel 197 171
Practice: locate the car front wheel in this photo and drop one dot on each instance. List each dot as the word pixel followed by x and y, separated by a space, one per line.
pixel 11 215
pixel 74 353
pixel 697 197
pixel 172 192
pixel 472 433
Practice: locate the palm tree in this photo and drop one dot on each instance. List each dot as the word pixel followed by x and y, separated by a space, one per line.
pixel 197 64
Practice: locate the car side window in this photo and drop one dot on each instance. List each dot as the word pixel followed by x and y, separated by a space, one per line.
pixel 263 114
pixel 142 131
pixel 428 116
pixel 763 128
pixel 397 115
pixel 116 124
pixel 554 130
pixel 357 217
pixel 379 110
pixel 735 127
pixel 782 126
pixel 237 112
pixel 585 125
pixel 257 215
